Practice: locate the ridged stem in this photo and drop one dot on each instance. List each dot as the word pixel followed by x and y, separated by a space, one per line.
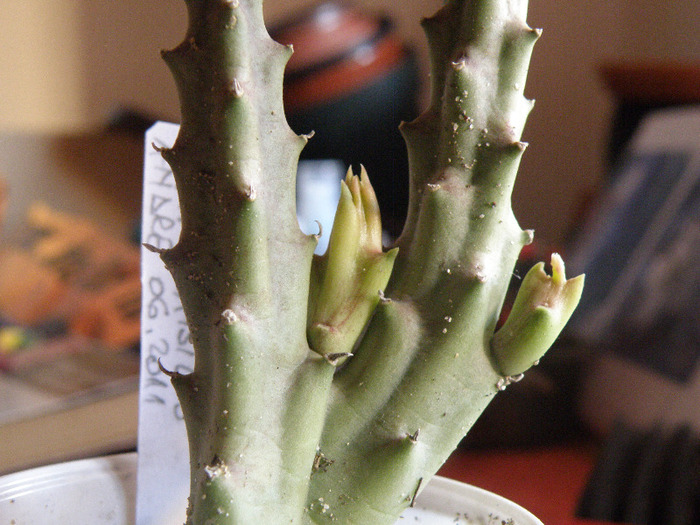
pixel 242 267
pixel 423 372
pixel 292 419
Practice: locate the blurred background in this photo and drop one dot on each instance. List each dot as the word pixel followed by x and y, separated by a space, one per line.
pixel 607 418
pixel 67 65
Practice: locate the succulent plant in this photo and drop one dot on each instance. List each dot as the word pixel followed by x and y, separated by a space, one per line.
pixel 331 388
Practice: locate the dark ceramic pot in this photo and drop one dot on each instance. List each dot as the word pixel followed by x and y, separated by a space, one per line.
pixel 352 81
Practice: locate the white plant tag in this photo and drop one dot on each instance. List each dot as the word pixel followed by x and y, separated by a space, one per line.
pixel 163 458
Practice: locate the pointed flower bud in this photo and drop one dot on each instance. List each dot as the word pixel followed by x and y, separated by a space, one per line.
pixel 541 309
pixel 352 273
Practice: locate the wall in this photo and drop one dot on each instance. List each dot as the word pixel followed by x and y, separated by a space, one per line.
pixel 662 30
pixel 83 57
pixel 41 77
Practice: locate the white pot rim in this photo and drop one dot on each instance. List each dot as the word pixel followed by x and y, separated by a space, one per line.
pixel 102 491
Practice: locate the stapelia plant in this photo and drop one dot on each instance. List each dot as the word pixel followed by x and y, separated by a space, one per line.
pixel 332 388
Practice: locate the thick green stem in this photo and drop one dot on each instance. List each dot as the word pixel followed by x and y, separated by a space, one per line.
pixel 242 268
pixel 424 372
pixel 345 415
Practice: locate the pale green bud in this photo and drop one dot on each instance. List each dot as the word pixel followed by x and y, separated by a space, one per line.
pixel 352 274
pixel 542 307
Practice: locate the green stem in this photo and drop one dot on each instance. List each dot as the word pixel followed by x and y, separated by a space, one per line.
pixel 242 269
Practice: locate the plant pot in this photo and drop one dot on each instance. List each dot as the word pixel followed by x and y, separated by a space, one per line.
pixel 101 491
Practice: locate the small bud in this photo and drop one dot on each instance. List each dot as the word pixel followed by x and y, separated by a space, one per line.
pixel 351 272
pixel 542 307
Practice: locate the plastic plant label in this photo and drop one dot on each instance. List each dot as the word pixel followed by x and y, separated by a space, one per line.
pixel 163 458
